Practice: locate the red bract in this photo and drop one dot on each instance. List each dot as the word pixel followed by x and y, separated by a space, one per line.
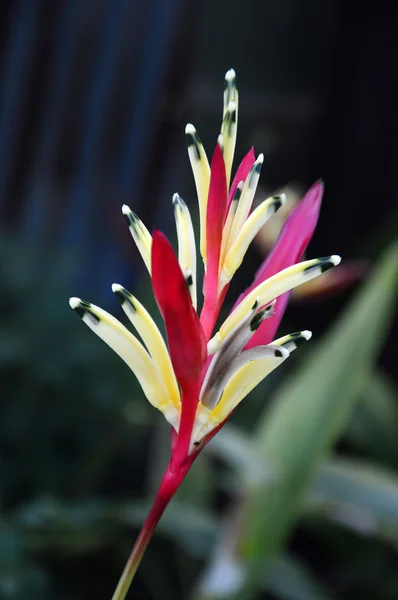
pixel 241 173
pixel 288 250
pixel 187 345
pixel 216 208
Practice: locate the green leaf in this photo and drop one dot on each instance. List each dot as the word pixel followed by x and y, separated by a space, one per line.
pixel 290 580
pixel 310 412
pixel 374 426
pixel 359 496
pixel 238 450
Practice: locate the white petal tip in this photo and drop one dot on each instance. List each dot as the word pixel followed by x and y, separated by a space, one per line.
pixel 230 75
pixel 306 334
pixel 282 198
pixel 126 209
pixel 220 140
pixel 190 129
pixel 260 158
pixel 335 259
pixel 178 202
pixel 74 302
pixel 116 288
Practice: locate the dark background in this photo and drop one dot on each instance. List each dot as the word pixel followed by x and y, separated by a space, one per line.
pixel 94 98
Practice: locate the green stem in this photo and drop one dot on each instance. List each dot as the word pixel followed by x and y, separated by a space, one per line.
pixel 170 482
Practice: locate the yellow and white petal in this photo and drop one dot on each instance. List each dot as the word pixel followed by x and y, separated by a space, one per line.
pixel 226 232
pixel 227 359
pixel 201 172
pixel 152 338
pixel 257 364
pixel 186 244
pixel 293 340
pixel 141 235
pixel 250 228
pixel 230 90
pixel 229 132
pixel 272 288
pixel 246 199
pixel 111 331
pixel 220 366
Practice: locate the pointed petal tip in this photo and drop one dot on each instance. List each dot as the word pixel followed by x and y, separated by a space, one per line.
pixel 278 201
pixel 335 259
pixel 307 335
pixel 126 209
pixel 157 234
pixel 190 129
pixel 230 75
pixel 74 302
pixel 122 295
pixel 260 158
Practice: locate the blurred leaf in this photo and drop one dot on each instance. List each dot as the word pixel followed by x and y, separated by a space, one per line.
pixel 288 579
pixel 374 426
pixel 359 496
pixel 310 412
pixel 238 450
pixel 193 528
pixel 197 488
pixel 48 523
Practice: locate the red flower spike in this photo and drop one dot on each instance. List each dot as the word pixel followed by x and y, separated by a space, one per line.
pixel 241 174
pixel 174 379
pixel 185 336
pixel 216 206
pixel 288 250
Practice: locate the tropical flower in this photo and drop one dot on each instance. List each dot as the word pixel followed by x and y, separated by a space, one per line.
pixel 198 379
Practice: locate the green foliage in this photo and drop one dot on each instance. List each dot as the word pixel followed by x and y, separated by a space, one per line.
pixel 311 410
pixel 307 415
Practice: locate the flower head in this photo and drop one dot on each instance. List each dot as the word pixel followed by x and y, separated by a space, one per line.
pixel 199 378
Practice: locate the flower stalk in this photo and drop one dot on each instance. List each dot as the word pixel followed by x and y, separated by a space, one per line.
pixel 196 380
pixel 168 486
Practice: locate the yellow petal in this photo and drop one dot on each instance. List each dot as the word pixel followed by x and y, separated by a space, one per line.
pixel 293 340
pixel 230 91
pixel 272 288
pixel 111 331
pixel 239 385
pixel 229 132
pixel 250 228
pixel 201 172
pixel 226 232
pixel 152 339
pixel 246 199
pixel 141 235
pixel 186 244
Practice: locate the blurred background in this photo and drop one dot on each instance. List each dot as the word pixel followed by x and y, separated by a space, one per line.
pixel 94 98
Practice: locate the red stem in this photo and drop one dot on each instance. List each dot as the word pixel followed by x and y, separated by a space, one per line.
pixel 210 311
pixel 169 485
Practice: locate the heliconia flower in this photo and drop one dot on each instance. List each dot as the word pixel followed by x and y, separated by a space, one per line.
pixel 198 379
